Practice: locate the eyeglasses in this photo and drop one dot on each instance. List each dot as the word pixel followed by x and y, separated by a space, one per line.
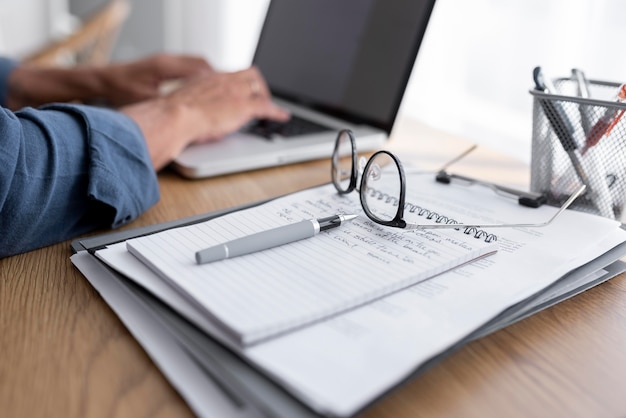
pixel 382 189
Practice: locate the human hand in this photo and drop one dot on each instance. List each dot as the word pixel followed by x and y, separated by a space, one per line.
pixel 205 108
pixel 115 84
pixel 136 81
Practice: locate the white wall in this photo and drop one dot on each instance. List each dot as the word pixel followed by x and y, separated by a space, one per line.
pixel 223 31
pixel 475 67
pixel 26 25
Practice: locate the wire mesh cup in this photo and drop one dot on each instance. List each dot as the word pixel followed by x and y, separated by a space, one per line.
pixel 578 140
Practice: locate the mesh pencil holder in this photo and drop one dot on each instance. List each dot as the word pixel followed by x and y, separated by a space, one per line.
pixel 578 141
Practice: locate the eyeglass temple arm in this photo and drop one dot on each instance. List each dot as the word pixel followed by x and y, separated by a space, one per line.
pixel 565 205
pixel 530 199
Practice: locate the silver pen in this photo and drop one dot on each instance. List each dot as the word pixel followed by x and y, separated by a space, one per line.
pixel 271 238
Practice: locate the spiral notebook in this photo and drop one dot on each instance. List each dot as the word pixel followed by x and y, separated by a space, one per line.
pixel 264 294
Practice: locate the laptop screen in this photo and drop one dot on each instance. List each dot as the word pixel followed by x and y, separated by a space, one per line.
pixel 349 58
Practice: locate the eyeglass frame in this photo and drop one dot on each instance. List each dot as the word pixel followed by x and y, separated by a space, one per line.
pixel 398 220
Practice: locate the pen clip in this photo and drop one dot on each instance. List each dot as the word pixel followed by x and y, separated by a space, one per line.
pixel 542 82
pixel 581 83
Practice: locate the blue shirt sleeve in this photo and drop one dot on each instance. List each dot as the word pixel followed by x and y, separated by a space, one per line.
pixel 6 66
pixel 68 169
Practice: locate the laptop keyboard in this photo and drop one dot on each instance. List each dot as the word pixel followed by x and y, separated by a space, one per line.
pixel 295 126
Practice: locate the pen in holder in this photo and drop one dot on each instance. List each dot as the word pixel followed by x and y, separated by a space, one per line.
pixel 580 139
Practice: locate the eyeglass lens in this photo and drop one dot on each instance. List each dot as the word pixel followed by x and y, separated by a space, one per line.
pixel 381 187
pixel 344 163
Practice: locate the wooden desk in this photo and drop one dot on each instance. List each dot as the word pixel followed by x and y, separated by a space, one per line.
pixel 63 353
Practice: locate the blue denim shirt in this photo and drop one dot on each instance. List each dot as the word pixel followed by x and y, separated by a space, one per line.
pixel 66 170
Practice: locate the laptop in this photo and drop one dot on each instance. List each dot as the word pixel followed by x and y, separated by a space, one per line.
pixel 334 65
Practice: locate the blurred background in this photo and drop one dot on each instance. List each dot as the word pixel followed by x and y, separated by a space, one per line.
pixel 471 77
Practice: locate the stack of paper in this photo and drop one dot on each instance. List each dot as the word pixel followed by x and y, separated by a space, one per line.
pixel 377 334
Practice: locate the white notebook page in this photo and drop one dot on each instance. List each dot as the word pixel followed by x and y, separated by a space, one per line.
pixel 270 292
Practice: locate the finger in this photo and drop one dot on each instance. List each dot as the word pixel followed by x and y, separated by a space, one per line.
pixel 139 92
pixel 251 83
pixel 265 109
pixel 243 86
pixel 263 88
pixel 181 66
pixel 255 87
pixel 240 112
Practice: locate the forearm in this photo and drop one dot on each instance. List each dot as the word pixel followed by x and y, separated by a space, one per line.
pixel 34 86
pixel 67 170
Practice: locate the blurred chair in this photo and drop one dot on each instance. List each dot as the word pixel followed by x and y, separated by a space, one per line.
pixel 91 43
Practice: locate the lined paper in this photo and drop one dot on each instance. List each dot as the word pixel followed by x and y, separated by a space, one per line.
pixel 261 295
